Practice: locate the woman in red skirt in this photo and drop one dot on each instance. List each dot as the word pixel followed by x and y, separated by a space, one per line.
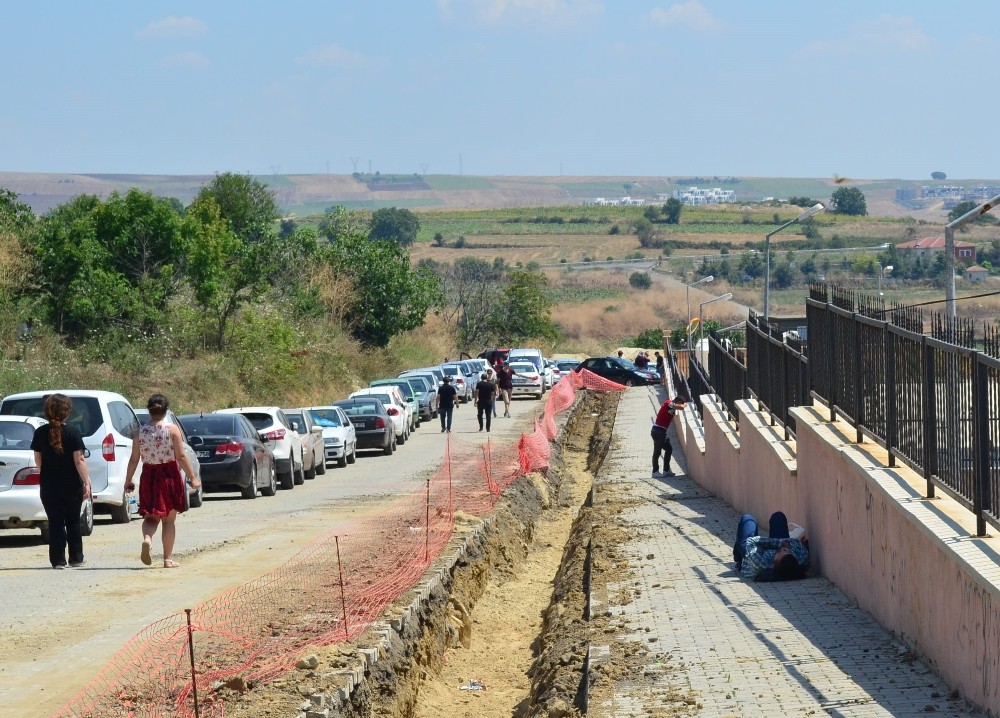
pixel 162 492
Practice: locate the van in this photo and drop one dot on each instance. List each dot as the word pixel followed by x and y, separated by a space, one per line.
pixel 532 355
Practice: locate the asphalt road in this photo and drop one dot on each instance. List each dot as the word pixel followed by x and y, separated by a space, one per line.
pixel 70 623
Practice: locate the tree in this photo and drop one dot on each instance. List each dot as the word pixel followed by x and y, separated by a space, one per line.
pixel 391 297
pixel 652 213
pixel 751 264
pixel 246 204
pixel 849 201
pixel 14 214
pixel 524 309
pixel 801 201
pixel 225 271
pixel 338 220
pixel 964 207
pixel 938 175
pixel 399 225
pixel 644 230
pixel 640 280
pixel 672 210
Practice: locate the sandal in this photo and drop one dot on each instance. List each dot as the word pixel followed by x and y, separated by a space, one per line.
pixel 170 563
pixel 144 555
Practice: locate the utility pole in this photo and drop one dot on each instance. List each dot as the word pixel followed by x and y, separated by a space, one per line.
pixel 354 160
pixel 459 163
pixel 423 168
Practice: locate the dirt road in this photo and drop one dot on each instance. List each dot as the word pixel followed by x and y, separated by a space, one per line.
pixel 68 624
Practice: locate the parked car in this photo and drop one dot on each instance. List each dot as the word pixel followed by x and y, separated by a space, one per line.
pixel 108 424
pixel 372 424
pixel 527 379
pixel 286 445
pixel 20 502
pixel 428 388
pixel 650 372
pixel 463 384
pixel 395 406
pixel 195 496
pixel 532 355
pixel 495 355
pixel 437 371
pixel 617 370
pixel 413 392
pixel 340 440
pixel 232 454
pixel 567 365
pixel 552 373
pixel 312 441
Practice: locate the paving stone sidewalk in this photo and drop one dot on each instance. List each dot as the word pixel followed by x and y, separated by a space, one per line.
pixel 720 646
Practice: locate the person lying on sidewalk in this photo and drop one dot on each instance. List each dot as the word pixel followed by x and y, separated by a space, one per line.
pixel 778 557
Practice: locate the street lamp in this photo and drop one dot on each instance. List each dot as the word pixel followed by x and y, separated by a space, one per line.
pixel 687 292
pixel 815 209
pixel 701 330
pixel 882 271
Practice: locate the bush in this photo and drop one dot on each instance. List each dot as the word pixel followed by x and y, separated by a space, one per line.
pixel 649 338
pixel 460 242
pixel 615 229
pixel 640 280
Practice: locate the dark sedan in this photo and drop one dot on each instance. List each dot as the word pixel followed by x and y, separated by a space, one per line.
pixel 372 423
pixel 233 457
pixel 617 370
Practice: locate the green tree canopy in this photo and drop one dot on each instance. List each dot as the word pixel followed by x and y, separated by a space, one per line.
pixel 15 215
pixel 398 225
pixel 245 203
pixel 849 200
pixel 672 210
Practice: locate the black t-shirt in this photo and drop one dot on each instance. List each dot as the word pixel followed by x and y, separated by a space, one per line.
pixel 58 470
pixel 446 395
pixel 485 390
pixel 505 378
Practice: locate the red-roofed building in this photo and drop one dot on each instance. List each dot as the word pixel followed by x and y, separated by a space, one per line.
pixel 964 251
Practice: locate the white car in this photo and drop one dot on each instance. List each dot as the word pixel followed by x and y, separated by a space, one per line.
pixel 340 440
pixel 399 411
pixel 463 383
pixel 552 374
pixel 284 442
pixel 108 425
pixel 530 380
pixel 20 502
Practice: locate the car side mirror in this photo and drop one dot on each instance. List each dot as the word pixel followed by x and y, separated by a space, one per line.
pixel 317 429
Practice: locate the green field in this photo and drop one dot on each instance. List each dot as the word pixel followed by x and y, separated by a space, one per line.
pixel 457 182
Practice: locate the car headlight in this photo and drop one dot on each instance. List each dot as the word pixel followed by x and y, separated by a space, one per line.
pixel 332 442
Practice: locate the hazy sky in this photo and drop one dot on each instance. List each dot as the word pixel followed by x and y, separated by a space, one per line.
pixel 860 88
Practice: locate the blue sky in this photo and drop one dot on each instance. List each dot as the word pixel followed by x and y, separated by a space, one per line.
pixel 862 89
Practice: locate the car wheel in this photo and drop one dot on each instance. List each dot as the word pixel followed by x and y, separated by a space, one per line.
pixel 197 498
pixel 300 475
pixel 250 491
pixel 628 383
pixel 401 439
pixel 120 514
pixel 321 466
pixel 86 519
pixel 353 456
pixel 342 461
pixel 390 447
pixel 272 484
pixel 311 473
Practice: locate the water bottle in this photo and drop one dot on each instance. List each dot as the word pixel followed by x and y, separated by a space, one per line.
pixel 133 504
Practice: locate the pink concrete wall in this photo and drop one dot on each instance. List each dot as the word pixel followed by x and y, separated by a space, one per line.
pixel 909 562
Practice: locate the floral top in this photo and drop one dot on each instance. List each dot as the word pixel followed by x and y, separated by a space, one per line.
pixel 155 445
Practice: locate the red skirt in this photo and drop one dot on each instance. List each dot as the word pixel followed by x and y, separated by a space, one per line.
pixel 161 490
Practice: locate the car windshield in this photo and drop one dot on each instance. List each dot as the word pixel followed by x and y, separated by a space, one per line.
pixel 85 414
pixel 622 361
pixel 360 408
pixel 208 424
pixel 16 435
pixel 403 386
pixel 260 421
pixel 327 418
pixel 384 398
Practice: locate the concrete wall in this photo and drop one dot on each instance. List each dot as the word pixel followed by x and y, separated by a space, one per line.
pixel 913 563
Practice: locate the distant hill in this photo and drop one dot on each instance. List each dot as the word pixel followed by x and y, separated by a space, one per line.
pixel 312 194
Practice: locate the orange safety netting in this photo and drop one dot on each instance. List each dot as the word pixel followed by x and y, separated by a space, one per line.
pixel 331 591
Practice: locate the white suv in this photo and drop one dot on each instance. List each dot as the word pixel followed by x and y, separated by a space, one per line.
pixel 108 425
pixel 284 442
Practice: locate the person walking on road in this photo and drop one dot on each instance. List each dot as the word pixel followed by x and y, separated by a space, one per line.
pixel 447 398
pixel 492 380
pixel 484 392
pixel 63 480
pixel 162 491
pixel 505 386
pixel 661 442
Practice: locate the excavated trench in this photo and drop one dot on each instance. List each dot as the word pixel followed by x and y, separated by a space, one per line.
pixel 500 627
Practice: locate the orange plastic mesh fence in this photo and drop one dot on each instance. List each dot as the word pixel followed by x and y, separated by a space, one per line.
pixel 330 591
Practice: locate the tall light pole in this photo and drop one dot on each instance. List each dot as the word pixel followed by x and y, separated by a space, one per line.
pixel 687 291
pixel 949 248
pixel 701 324
pixel 882 271
pixel 815 209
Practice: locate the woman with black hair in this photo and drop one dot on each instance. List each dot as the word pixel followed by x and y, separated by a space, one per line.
pixel 162 492
pixel 64 480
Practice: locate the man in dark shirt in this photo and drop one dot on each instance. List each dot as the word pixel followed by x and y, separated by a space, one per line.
pixel 447 397
pixel 485 391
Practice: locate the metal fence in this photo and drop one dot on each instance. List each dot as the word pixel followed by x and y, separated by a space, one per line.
pixel 932 400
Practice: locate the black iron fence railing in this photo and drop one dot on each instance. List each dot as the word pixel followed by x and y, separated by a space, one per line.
pixel 931 400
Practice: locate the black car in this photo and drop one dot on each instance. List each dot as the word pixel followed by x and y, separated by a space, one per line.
pixel 617 370
pixel 232 454
pixel 372 423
